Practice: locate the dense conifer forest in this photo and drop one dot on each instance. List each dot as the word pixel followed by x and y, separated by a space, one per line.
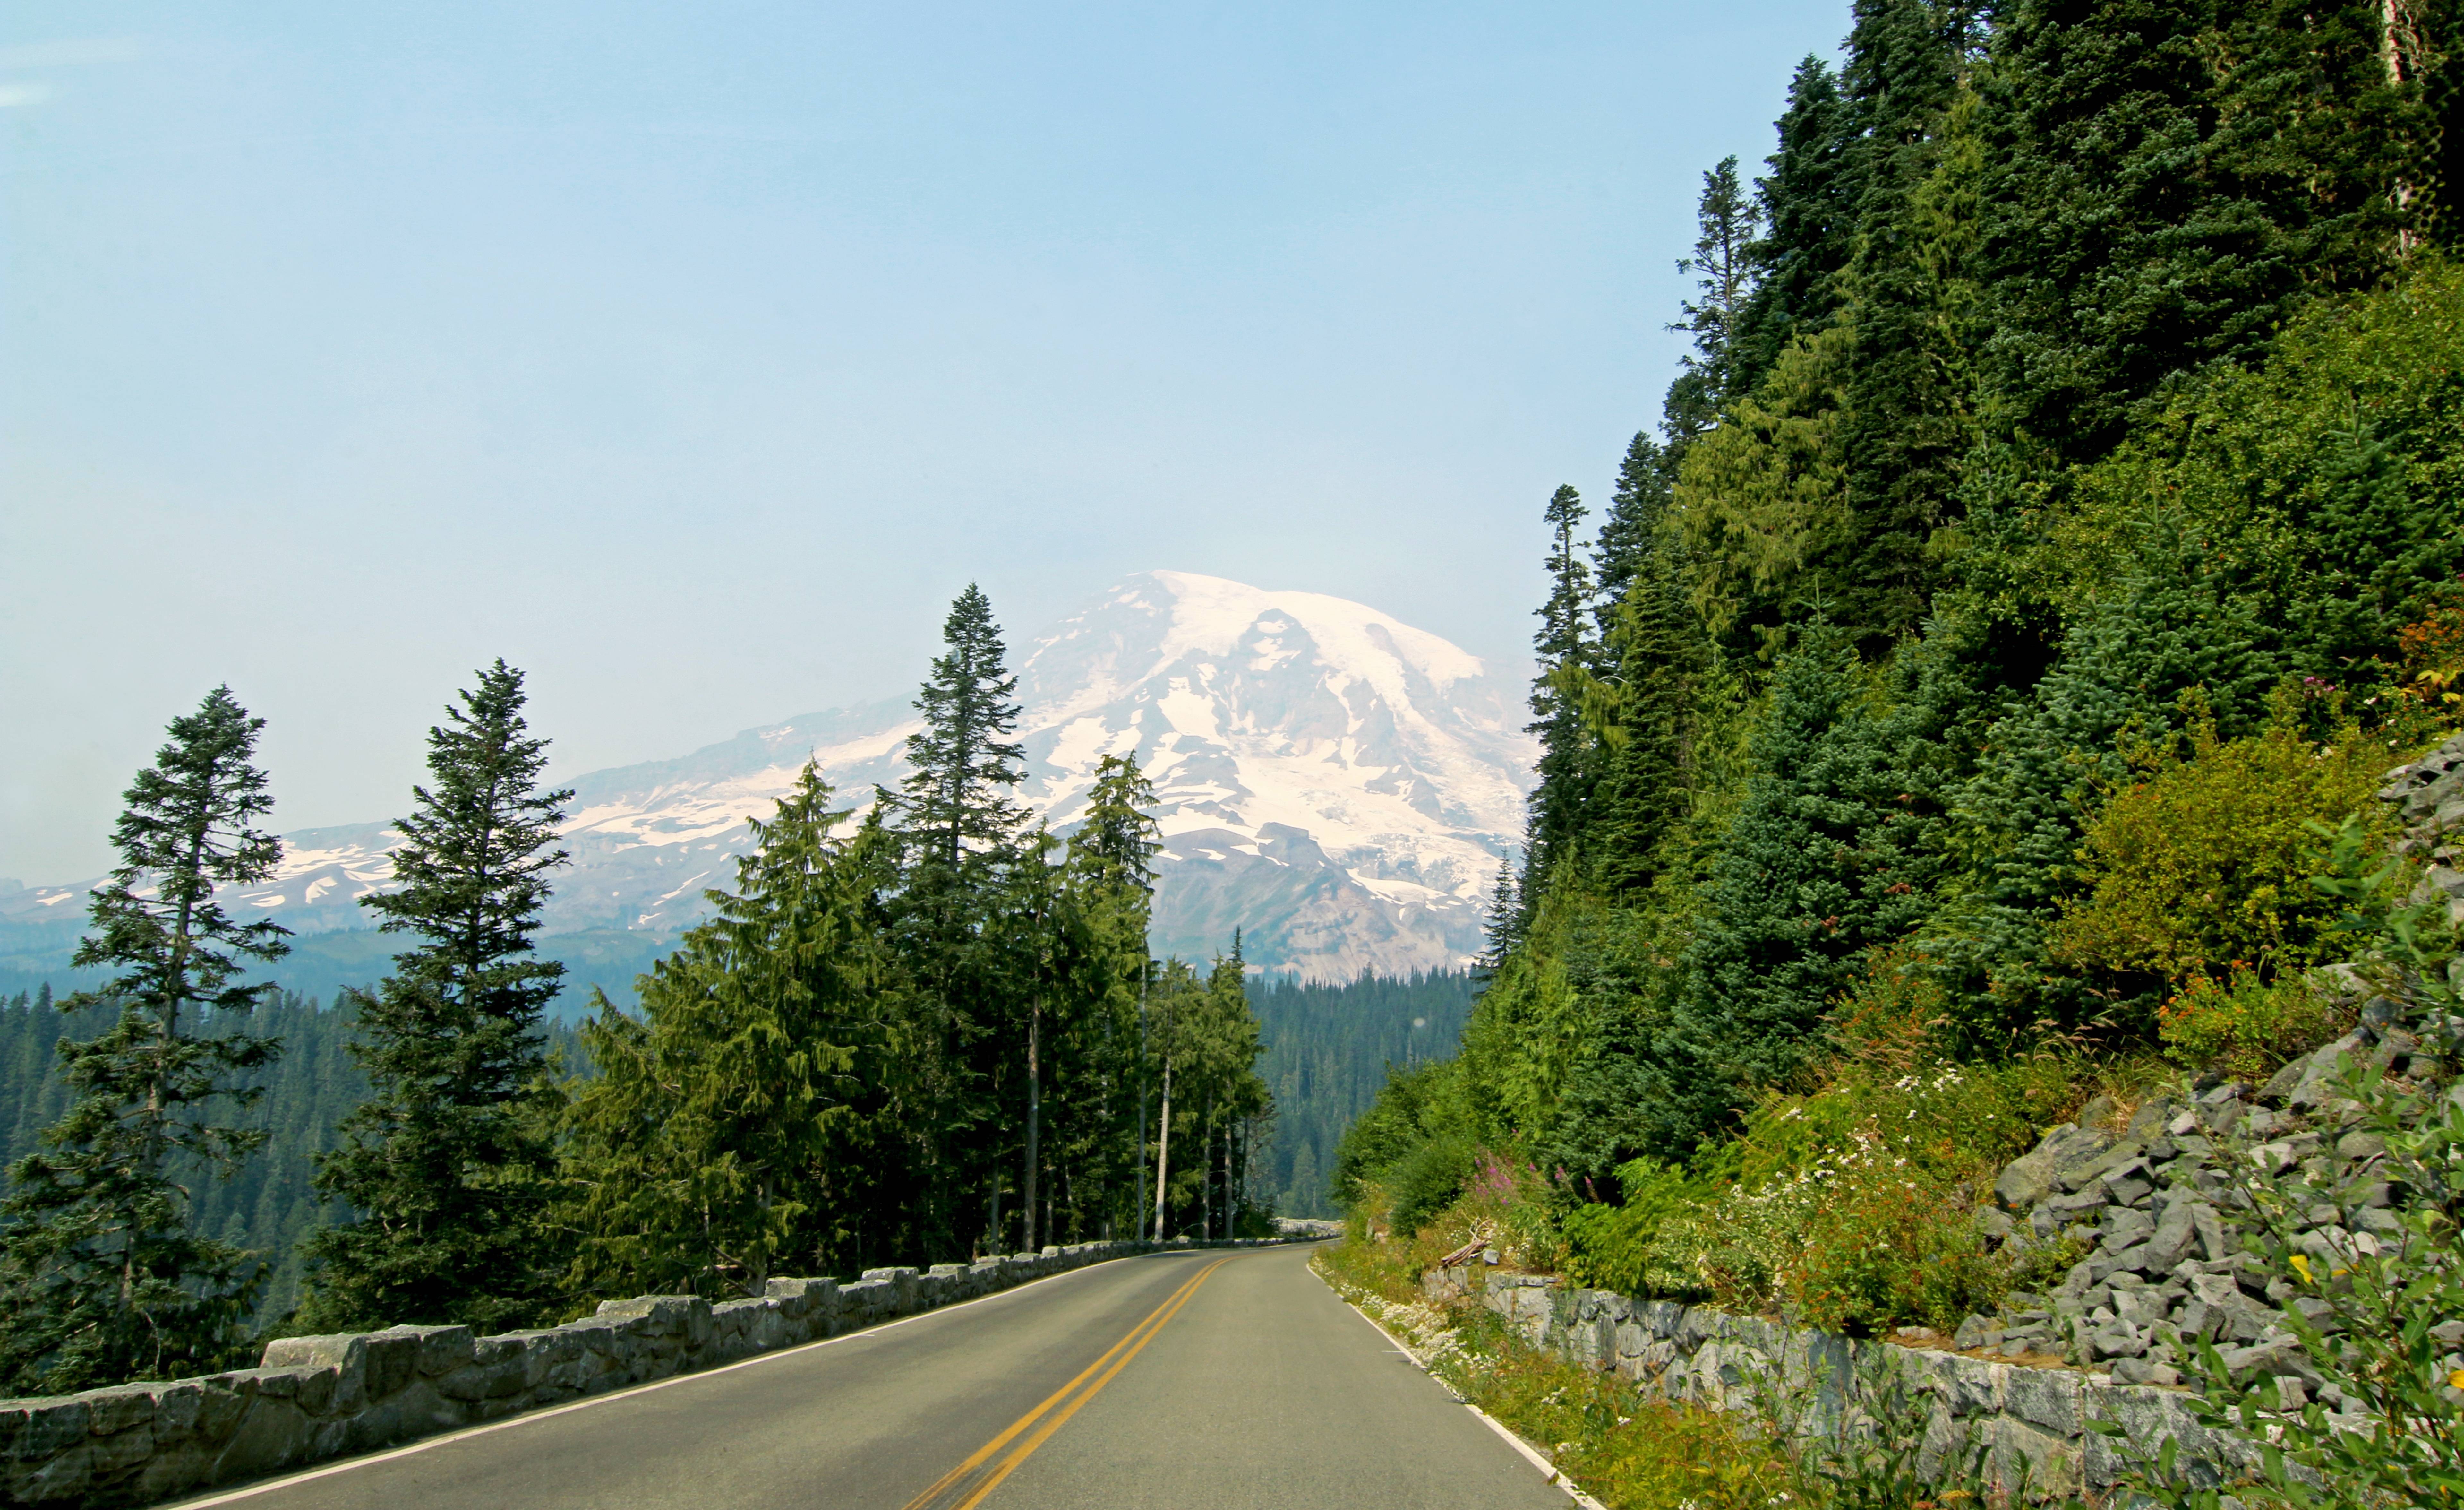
pixel 2053 533
pixel 1327 1050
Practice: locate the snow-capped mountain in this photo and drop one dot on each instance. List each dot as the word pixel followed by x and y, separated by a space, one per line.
pixel 1337 784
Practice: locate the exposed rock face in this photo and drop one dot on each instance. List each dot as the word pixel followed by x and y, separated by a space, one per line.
pixel 2157 1220
pixel 2432 792
pixel 316 1398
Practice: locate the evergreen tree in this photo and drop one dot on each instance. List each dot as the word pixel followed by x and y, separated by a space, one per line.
pixel 2125 664
pixel 2165 184
pixel 1498 922
pixel 445 1170
pixel 1117 840
pixel 959 827
pixel 1727 219
pixel 1646 706
pixel 955 800
pixel 1763 500
pixel 1050 939
pixel 1566 646
pixel 1909 413
pixel 1637 511
pixel 1808 204
pixel 1111 876
pixel 1235 1095
pixel 1829 854
pixel 733 1128
pixel 1176 1002
pixel 104 1275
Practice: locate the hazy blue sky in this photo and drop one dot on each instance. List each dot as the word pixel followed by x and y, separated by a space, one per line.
pixel 692 356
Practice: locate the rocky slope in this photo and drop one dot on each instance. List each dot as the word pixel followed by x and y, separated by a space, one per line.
pixel 2156 1212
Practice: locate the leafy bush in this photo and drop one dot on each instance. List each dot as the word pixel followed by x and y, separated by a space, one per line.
pixel 2244 1027
pixel 2429 678
pixel 1409 1144
pixel 1425 1179
pixel 1851 1206
pixel 1885 1250
pixel 1611 1247
pixel 2204 863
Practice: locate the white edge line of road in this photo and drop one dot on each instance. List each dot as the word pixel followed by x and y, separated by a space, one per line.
pixel 1531 1453
pixel 630 1392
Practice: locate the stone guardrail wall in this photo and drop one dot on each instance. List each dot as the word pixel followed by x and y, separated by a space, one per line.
pixel 318 1398
pixel 2017 1413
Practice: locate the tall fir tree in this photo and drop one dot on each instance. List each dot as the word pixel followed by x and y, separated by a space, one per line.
pixel 1117 838
pixel 444 1171
pixel 1729 220
pixel 1048 940
pixel 1111 869
pixel 1566 644
pixel 957 799
pixel 1909 416
pixel 736 1125
pixel 1499 921
pixel 1637 510
pixel 959 825
pixel 1230 1047
pixel 1831 852
pixel 102 1275
pixel 1645 704
pixel 1808 202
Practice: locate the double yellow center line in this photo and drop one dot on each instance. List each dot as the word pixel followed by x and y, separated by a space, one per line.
pixel 965 1487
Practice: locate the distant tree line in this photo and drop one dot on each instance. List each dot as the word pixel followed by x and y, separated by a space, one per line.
pixel 269 1204
pixel 919 1028
pixel 1329 1048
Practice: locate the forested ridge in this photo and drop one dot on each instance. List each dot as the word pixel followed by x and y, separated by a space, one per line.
pixel 2052 534
pixel 919 1026
pixel 1328 1048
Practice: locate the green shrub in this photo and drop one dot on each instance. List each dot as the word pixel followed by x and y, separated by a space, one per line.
pixel 1425 1181
pixel 1851 1206
pixel 1409 1144
pixel 1884 1247
pixel 2201 866
pixel 2244 1027
pixel 1610 1246
pixel 1949 1121
pixel 1861 1240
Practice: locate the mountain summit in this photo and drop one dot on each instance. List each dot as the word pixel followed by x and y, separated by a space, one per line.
pixel 1334 781
pixel 1337 784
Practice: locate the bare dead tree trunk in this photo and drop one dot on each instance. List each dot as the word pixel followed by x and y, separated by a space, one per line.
pixel 1034 1111
pixel 1163 1147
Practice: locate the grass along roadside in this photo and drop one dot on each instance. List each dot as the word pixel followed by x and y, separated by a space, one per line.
pixel 1622 1447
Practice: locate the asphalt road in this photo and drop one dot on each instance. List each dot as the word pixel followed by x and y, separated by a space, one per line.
pixel 1182 1379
